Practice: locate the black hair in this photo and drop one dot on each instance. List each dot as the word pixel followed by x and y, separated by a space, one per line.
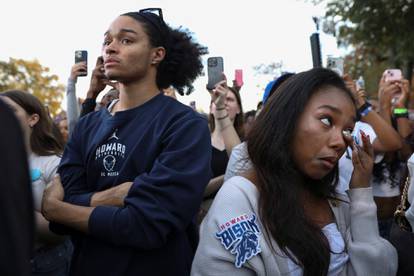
pixel 279 81
pixel 251 113
pixel 279 181
pixel 182 63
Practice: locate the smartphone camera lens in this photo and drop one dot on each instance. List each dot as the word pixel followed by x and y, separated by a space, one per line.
pixel 212 62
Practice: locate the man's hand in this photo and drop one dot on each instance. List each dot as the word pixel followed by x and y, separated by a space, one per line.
pixel 98 80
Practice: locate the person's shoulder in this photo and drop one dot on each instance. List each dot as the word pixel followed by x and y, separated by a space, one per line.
pixel 93 118
pixel 47 163
pixel 236 189
pixel 46 158
pixel 176 107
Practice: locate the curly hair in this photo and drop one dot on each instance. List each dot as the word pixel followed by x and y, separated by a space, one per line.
pixel 182 63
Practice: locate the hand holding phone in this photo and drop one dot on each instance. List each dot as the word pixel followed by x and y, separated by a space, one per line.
pixel 82 56
pixel 215 69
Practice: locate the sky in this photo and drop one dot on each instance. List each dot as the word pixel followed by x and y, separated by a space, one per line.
pixel 244 33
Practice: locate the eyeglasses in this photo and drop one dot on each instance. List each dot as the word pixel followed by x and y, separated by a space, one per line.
pixel 156 11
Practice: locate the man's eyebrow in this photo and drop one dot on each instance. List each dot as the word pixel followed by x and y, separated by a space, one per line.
pixel 123 31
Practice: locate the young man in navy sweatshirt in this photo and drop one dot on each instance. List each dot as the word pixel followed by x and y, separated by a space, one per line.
pixel 133 176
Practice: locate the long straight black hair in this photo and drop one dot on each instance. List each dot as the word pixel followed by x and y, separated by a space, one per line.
pixel 279 180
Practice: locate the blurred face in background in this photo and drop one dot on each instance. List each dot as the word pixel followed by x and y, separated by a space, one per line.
pixel 109 97
pixel 248 123
pixel 63 128
pixel 232 106
pixel 26 121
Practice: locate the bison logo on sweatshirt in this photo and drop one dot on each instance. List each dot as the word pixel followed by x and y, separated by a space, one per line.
pixel 240 236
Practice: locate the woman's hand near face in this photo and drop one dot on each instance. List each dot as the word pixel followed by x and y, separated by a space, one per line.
pixel 363 161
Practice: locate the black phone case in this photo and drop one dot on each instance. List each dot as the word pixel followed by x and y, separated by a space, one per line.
pixel 215 71
pixel 80 56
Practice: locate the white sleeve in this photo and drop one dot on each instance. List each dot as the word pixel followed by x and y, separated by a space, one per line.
pixel 50 168
pixel 239 161
pixel 72 105
pixel 369 254
pixel 222 232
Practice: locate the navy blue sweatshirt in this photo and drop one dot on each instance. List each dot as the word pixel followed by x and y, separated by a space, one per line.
pixel 164 147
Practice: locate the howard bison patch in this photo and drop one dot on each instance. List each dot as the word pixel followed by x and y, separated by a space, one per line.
pixel 240 236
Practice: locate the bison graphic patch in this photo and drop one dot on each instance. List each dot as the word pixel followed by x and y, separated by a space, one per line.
pixel 240 236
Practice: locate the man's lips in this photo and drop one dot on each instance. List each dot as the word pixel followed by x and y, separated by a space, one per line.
pixel 111 61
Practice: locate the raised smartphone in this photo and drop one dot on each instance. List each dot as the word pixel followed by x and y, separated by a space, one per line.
pixel 215 69
pixel 82 56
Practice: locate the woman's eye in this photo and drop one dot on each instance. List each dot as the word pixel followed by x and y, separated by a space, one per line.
pixel 106 42
pixel 326 121
pixel 125 41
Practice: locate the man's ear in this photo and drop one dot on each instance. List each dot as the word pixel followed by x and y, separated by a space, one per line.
pixel 158 55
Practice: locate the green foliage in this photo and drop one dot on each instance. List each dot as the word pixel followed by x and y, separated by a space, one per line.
pixel 384 27
pixel 380 32
pixel 32 77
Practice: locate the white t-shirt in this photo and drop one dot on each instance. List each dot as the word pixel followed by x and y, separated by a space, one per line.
pixel 339 256
pixel 42 169
pixel 345 163
pixel 389 184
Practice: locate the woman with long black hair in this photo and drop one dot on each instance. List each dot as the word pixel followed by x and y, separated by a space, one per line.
pixel 284 217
